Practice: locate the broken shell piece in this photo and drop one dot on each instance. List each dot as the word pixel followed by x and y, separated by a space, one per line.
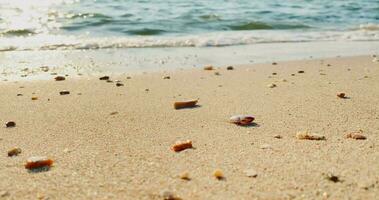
pixel 209 67
pixel 34 98
pixel 218 174
pixel 104 78
pixel 304 135
pixel 10 124
pixel 300 72
pixel 38 162
pixel 341 95
pixel 242 119
pixel 272 85
pixel 217 73
pixel 356 135
pixel 229 68
pixel 182 145
pixel 168 195
pixel 14 152
pixel 60 78
pixel 251 173
pixel 185 104
pixel 64 92
pixel 119 84
pixel 166 77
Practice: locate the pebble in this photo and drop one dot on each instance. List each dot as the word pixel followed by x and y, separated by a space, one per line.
pixel 166 77
pixel 242 119
pixel 209 67
pixel 217 73
pixel 147 89
pixel 341 95
pixel 356 135
pixel 251 173
pixel 38 162
pixel 218 174
pixel 274 63
pixel 64 92
pixel 272 85
pixel 104 78
pixel 128 77
pixel 181 145
pixel 119 84
pixel 230 68
pixel 14 152
pixel 304 135
pixel 34 98
pixel 300 72
pixel 114 113
pixel 109 81
pixel 19 95
pixel 60 78
pixel 185 176
pixel 333 178
pixel 185 104
pixel 10 124
pixel 266 146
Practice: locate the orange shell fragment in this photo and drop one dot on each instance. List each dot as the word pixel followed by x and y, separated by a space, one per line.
pixel 38 162
pixel 185 104
pixel 182 145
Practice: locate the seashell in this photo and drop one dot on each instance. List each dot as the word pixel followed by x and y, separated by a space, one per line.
pixel 185 176
pixel 38 162
pixel 251 173
pixel 356 135
pixel 14 152
pixel 304 135
pixel 182 145
pixel 242 119
pixel 218 174
pixel 272 85
pixel 185 104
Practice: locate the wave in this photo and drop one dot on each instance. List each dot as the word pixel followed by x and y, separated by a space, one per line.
pixel 266 26
pixel 214 39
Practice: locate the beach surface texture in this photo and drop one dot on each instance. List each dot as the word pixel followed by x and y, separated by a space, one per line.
pixel 114 139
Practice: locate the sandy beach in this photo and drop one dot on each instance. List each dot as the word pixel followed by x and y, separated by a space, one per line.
pixel 110 142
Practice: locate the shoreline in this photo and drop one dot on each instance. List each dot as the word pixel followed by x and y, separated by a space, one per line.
pixel 26 65
pixel 110 142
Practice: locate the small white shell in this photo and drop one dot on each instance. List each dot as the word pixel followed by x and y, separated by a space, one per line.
pixel 241 119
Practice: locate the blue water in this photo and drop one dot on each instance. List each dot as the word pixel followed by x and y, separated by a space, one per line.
pixel 86 24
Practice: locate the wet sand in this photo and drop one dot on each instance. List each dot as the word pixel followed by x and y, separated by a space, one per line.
pixel 127 155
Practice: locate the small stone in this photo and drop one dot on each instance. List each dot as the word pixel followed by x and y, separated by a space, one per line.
pixel 300 72
pixel 34 98
pixel 109 81
pixel 251 173
pixel 328 65
pixel 113 113
pixel 209 67
pixel 10 124
pixel 217 73
pixel 284 80
pixel 128 77
pixel 14 152
pixel 218 174
pixel 104 78
pixel 60 78
pixel 64 92
pixel 185 104
pixel 181 145
pixel 266 146
pixel 341 95
pixel 274 63
pixel 230 68
pixel 304 135
pixel 292 74
pixel 147 89
pixel 272 85
pixel 166 77
pixel 119 84
pixel 278 136
pixel 274 73
pixel 19 95
pixel 356 135
pixel 185 176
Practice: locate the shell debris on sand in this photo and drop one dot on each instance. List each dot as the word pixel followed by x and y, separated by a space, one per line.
pixel 208 68
pixel 185 104
pixel 60 78
pixel 168 195
pixel 251 173
pixel 34 98
pixel 356 135
pixel 305 135
pixel 14 151
pixel 10 124
pixel 166 77
pixel 218 174
pixel 185 176
pixel 64 92
pixel 119 84
pixel 104 78
pixel 229 68
pixel 272 85
pixel 181 145
pixel 242 119
pixel 36 162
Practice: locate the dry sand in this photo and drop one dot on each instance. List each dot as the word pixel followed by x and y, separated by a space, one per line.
pixel 127 155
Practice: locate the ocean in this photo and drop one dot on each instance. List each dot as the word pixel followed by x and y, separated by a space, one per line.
pixel 101 24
